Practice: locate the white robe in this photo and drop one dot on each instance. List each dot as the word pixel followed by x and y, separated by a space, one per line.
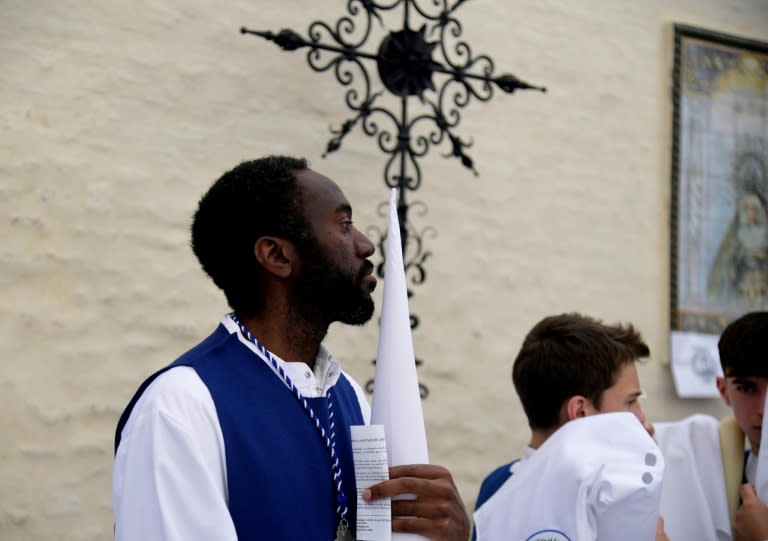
pixel 693 500
pixel 596 478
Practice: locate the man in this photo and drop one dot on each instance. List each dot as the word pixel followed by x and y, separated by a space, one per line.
pixel 707 457
pixel 246 436
pixel 743 348
pixel 571 367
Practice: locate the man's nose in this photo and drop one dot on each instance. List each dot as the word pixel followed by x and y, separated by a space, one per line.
pixel 365 248
pixel 649 427
pixel 645 422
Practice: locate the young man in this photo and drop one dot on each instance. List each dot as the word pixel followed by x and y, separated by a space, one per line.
pixel 571 367
pixel 246 436
pixel 706 459
pixel 743 348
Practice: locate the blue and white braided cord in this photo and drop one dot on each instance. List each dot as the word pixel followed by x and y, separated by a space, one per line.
pixel 328 437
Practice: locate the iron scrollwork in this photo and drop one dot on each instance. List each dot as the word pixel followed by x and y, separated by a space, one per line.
pixel 429 62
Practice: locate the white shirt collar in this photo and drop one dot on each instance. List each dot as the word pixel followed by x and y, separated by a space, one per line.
pixel 527 453
pixel 311 384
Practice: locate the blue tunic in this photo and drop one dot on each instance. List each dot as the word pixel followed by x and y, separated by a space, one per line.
pixel 276 461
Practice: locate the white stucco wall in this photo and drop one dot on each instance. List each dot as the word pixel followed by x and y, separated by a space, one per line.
pixel 116 116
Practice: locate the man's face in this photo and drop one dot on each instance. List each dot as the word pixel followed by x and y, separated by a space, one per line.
pixel 624 395
pixel 335 281
pixel 746 397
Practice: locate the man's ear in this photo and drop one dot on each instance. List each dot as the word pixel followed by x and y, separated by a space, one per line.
pixel 721 386
pixel 277 255
pixel 576 407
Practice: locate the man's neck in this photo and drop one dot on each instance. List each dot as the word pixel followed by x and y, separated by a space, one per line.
pixel 754 447
pixel 538 437
pixel 291 341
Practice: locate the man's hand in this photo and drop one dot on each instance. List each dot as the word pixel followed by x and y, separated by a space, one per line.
pixel 751 522
pixel 437 513
pixel 661 535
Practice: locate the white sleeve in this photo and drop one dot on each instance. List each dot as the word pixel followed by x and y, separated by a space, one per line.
pixel 169 479
pixel 365 407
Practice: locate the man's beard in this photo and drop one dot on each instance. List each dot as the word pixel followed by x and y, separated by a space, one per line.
pixel 330 293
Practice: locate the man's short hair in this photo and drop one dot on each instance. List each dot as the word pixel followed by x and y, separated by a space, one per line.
pixel 743 346
pixel 569 355
pixel 255 199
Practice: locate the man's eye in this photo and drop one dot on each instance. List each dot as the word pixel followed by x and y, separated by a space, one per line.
pixel 346 224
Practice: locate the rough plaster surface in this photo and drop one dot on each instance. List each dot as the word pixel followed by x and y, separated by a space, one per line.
pixel 117 115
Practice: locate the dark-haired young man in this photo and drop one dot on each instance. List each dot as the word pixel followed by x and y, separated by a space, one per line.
pixel 743 348
pixel 569 367
pixel 707 466
pixel 246 436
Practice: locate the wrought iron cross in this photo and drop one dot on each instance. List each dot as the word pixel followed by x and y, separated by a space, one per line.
pixel 408 62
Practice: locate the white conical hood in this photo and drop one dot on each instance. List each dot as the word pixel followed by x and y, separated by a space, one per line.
pixel 761 475
pixel 396 398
